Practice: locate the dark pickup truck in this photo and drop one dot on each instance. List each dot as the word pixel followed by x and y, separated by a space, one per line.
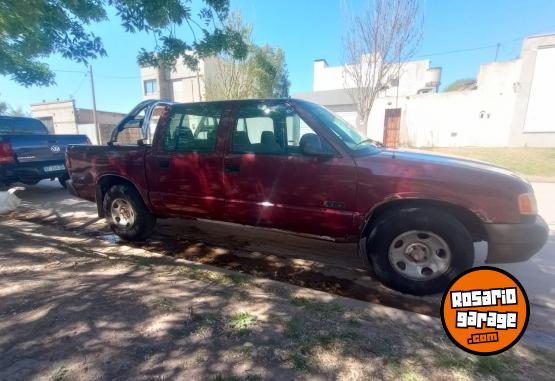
pixel 294 165
pixel 28 154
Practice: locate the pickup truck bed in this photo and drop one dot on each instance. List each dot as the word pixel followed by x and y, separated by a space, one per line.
pixel 29 154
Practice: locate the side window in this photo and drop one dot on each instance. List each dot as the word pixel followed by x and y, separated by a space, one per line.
pixel 263 129
pixel 192 128
pixel 296 129
pixel 274 129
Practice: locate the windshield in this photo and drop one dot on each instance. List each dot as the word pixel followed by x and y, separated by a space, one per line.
pixel 353 139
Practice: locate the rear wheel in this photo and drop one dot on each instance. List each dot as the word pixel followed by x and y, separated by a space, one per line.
pixel 127 214
pixel 419 250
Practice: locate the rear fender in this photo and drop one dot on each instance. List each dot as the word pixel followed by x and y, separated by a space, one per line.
pixel 106 182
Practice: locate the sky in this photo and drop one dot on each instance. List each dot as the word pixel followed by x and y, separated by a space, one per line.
pixel 458 36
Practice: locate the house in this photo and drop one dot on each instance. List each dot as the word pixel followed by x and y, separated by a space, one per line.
pixel 62 117
pixel 180 83
pixel 508 106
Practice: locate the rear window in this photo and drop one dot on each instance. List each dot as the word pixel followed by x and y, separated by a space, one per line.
pixel 23 126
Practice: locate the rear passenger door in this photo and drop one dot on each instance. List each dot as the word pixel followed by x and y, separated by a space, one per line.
pixel 268 182
pixel 184 169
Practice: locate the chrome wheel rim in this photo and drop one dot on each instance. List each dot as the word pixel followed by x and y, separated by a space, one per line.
pixel 122 213
pixel 419 255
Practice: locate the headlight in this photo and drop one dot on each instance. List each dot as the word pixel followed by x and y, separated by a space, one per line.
pixel 527 203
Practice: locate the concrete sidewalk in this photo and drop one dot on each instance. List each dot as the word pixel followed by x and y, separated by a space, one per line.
pixel 83 309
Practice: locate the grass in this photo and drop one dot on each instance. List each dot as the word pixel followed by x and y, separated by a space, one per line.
pixel 534 163
pixel 251 377
pixel 59 373
pixel 315 329
pixel 242 321
pixel 214 323
pixel 239 280
pixel 317 307
pixel 164 304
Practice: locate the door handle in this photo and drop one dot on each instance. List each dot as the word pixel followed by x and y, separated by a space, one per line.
pixel 164 163
pixel 231 168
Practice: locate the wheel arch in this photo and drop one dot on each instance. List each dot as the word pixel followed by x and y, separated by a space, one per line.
pixel 104 183
pixel 466 217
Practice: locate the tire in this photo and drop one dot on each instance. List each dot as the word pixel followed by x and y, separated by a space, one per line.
pixel 127 214
pixel 419 250
pixel 62 180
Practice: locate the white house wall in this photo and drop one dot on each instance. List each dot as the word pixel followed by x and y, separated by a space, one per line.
pixel 480 117
pixel 512 105
pixel 539 114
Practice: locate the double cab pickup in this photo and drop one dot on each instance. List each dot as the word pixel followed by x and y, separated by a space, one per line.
pixel 295 166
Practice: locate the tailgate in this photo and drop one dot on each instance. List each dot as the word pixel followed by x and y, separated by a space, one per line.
pixel 37 148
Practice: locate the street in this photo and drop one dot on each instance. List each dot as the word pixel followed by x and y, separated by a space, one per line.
pixel 321 265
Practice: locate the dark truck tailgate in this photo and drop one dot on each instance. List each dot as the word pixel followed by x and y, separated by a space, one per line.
pixel 42 148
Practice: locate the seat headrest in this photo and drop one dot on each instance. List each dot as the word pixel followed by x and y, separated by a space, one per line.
pixel 241 140
pixel 267 137
pixel 312 140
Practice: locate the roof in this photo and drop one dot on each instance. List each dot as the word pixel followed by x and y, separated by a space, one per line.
pixel 327 97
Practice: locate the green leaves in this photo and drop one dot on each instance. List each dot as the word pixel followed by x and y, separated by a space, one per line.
pixel 30 31
pixel 246 70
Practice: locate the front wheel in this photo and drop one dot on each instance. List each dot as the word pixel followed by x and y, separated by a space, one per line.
pixel 419 250
pixel 127 214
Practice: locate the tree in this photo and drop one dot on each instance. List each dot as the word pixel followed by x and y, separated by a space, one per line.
pixel 32 30
pixel 262 73
pixel 462 84
pixel 6 109
pixel 269 73
pixel 375 44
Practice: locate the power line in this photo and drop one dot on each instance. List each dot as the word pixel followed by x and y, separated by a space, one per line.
pixel 118 77
pixel 456 51
pixel 79 86
pixel 69 71
pixel 497 46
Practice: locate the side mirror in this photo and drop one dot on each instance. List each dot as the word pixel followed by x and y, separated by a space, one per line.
pixel 311 145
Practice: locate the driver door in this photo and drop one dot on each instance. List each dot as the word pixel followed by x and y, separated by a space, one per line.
pixel 269 182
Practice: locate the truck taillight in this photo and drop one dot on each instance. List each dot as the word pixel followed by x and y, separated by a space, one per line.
pixel 6 153
pixel 527 204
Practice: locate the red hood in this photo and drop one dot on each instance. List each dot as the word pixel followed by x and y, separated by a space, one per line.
pixel 478 186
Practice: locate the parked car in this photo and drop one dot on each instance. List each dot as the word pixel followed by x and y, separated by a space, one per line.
pixel 29 154
pixel 294 165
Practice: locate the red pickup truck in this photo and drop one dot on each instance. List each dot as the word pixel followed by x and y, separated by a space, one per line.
pixel 294 165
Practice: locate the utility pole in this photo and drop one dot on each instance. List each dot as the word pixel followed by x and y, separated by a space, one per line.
pixel 198 85
pixel 95 121
pixel 496 51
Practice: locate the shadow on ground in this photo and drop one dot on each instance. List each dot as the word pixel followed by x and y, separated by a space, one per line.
pixel 77 308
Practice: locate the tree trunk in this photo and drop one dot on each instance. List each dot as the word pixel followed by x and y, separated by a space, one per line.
pixel 362 123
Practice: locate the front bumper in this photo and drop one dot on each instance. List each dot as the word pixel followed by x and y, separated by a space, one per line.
pixel 509 243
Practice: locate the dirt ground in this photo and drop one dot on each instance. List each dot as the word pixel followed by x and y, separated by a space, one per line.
pixel 330 267
pixel 78 308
